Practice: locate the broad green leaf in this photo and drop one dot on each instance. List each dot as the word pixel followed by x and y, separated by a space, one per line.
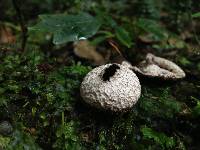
pixel 99 40
pixel 120 33
pixel 151 26
pixel 110 21
pixel 67 28
pixel 105 35
pixel 184 61
pixel 123 36
pixel 196 15
pixel 106 19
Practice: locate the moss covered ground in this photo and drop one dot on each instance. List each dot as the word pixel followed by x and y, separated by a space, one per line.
pixel 40 98
pixel 40 74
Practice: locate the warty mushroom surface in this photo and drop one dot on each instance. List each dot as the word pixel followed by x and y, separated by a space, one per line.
pixel 111 87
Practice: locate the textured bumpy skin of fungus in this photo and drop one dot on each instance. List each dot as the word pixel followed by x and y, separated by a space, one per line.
pixel 127 64
pixel 111 87
pixel 155 66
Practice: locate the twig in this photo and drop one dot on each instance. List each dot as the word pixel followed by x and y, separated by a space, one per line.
pixel 22 24
pixel 114 45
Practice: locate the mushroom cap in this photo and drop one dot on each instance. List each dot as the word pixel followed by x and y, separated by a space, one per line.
pixel 154 66
pixel 111 87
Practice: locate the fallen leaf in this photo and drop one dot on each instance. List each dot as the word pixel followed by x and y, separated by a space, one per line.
pixel 175 42
pixel 84 49
pixel 6 35
pixel 186 35
pixel 148 38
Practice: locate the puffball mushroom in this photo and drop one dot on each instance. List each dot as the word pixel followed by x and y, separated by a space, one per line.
pixel 154 66
pixel 111 87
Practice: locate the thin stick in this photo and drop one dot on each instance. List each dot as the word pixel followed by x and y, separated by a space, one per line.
pixel 22 24
pixel 115 47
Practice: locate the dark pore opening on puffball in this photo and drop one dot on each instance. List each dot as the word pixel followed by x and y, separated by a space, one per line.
pixel 110 71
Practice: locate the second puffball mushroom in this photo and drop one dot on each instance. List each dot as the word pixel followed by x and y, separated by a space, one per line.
pixel 157 67
pixel 111 87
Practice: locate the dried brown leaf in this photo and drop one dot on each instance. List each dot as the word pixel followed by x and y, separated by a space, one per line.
pixel 84 49
pixel 6 35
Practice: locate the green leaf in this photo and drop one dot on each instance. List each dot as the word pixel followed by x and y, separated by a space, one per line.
pixel 160 138
pixel 105 35
pixel 196 109
pixel 153 27
pixel 120 33
pixel 196 15
pixel 123 36
pixel 106 19
pixel 184 61
pixel 67 28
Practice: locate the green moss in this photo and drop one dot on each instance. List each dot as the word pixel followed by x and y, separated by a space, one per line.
pixel 67 137
pixel 4 142
pixel 159 138
pixel 21 140
pixel 38 96
pixel 159 102
pixel 46 99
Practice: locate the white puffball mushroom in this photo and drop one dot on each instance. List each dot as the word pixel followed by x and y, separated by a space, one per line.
pixel 126 64
pixel 154 66
pixel 111 87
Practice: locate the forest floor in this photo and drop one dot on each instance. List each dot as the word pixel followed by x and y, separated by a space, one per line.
pixel 40 102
